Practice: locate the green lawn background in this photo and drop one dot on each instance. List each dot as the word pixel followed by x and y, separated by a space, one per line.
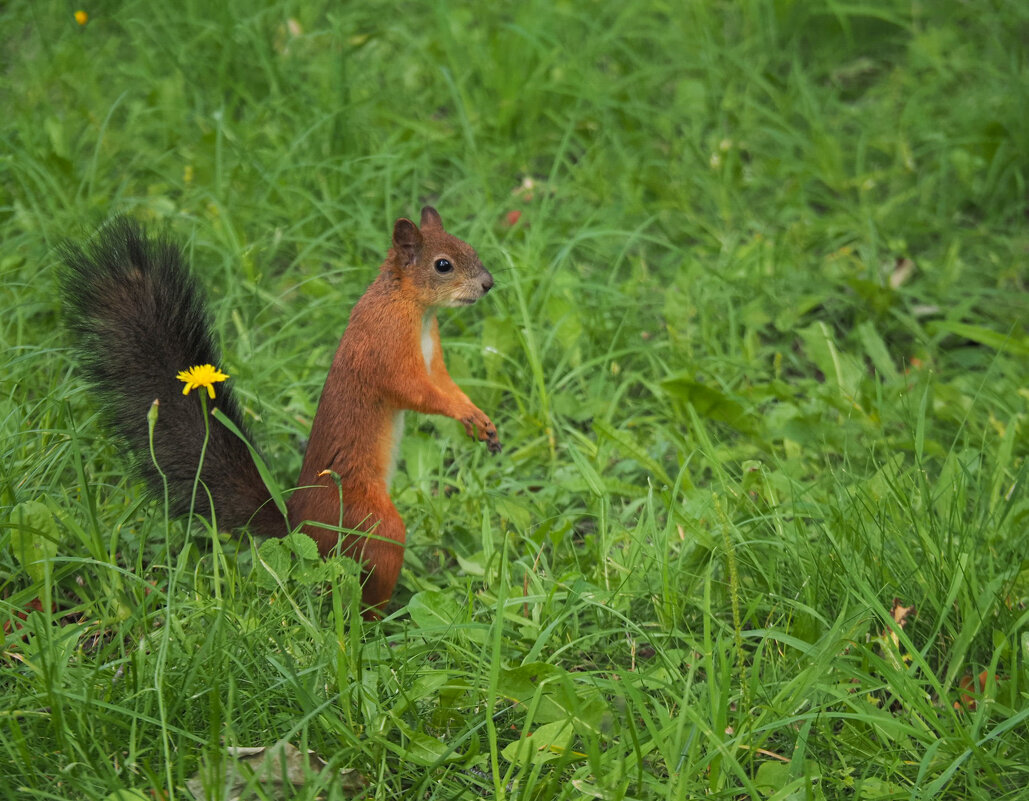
pixel 757 352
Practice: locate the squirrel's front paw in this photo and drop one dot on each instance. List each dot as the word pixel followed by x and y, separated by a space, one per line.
pixel 492 439
pixel 477 424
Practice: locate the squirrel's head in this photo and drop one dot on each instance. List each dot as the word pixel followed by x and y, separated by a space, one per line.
pixel 442 269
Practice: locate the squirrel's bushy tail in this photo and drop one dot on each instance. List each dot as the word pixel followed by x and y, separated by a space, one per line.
pixel 138 317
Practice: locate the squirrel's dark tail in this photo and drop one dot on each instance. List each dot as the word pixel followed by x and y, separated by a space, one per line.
pixel 138 318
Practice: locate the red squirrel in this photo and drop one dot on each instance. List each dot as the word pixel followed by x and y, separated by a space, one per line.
pixel 138 318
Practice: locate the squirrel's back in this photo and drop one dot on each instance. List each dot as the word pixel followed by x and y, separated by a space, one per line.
pixel 138 318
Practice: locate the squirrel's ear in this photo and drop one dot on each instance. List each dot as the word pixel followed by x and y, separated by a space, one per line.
pixel 430 218
pixel 407 240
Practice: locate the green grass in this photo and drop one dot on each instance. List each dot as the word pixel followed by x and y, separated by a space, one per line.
pixel 757 352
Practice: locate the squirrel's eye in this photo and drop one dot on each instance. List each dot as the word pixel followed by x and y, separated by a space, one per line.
pixel 443 266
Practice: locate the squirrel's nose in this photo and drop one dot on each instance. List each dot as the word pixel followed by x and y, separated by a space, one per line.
pixel 487 282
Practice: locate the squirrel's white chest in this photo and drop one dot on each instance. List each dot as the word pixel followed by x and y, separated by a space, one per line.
pixel 428 345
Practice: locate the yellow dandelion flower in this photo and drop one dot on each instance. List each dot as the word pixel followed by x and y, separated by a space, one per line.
pixel 203 375
pixel 81 17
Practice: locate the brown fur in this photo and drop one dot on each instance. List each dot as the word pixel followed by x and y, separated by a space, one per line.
pixel 138 317
pixel 379 371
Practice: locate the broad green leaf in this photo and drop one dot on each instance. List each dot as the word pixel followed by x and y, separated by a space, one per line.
pixel 521 683
pixel 431 609
pixel 772 776
pixel 709 402
pixel 474 565
pixel 302 545
pixel 275 563
pixel 873 789
pixel 423 749
pixel 543 744
pixel 34 537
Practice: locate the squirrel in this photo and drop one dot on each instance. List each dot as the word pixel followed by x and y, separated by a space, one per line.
pixel 138 317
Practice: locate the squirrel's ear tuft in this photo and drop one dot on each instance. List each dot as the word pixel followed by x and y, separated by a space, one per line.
pixel 431 218
pixel 407 240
